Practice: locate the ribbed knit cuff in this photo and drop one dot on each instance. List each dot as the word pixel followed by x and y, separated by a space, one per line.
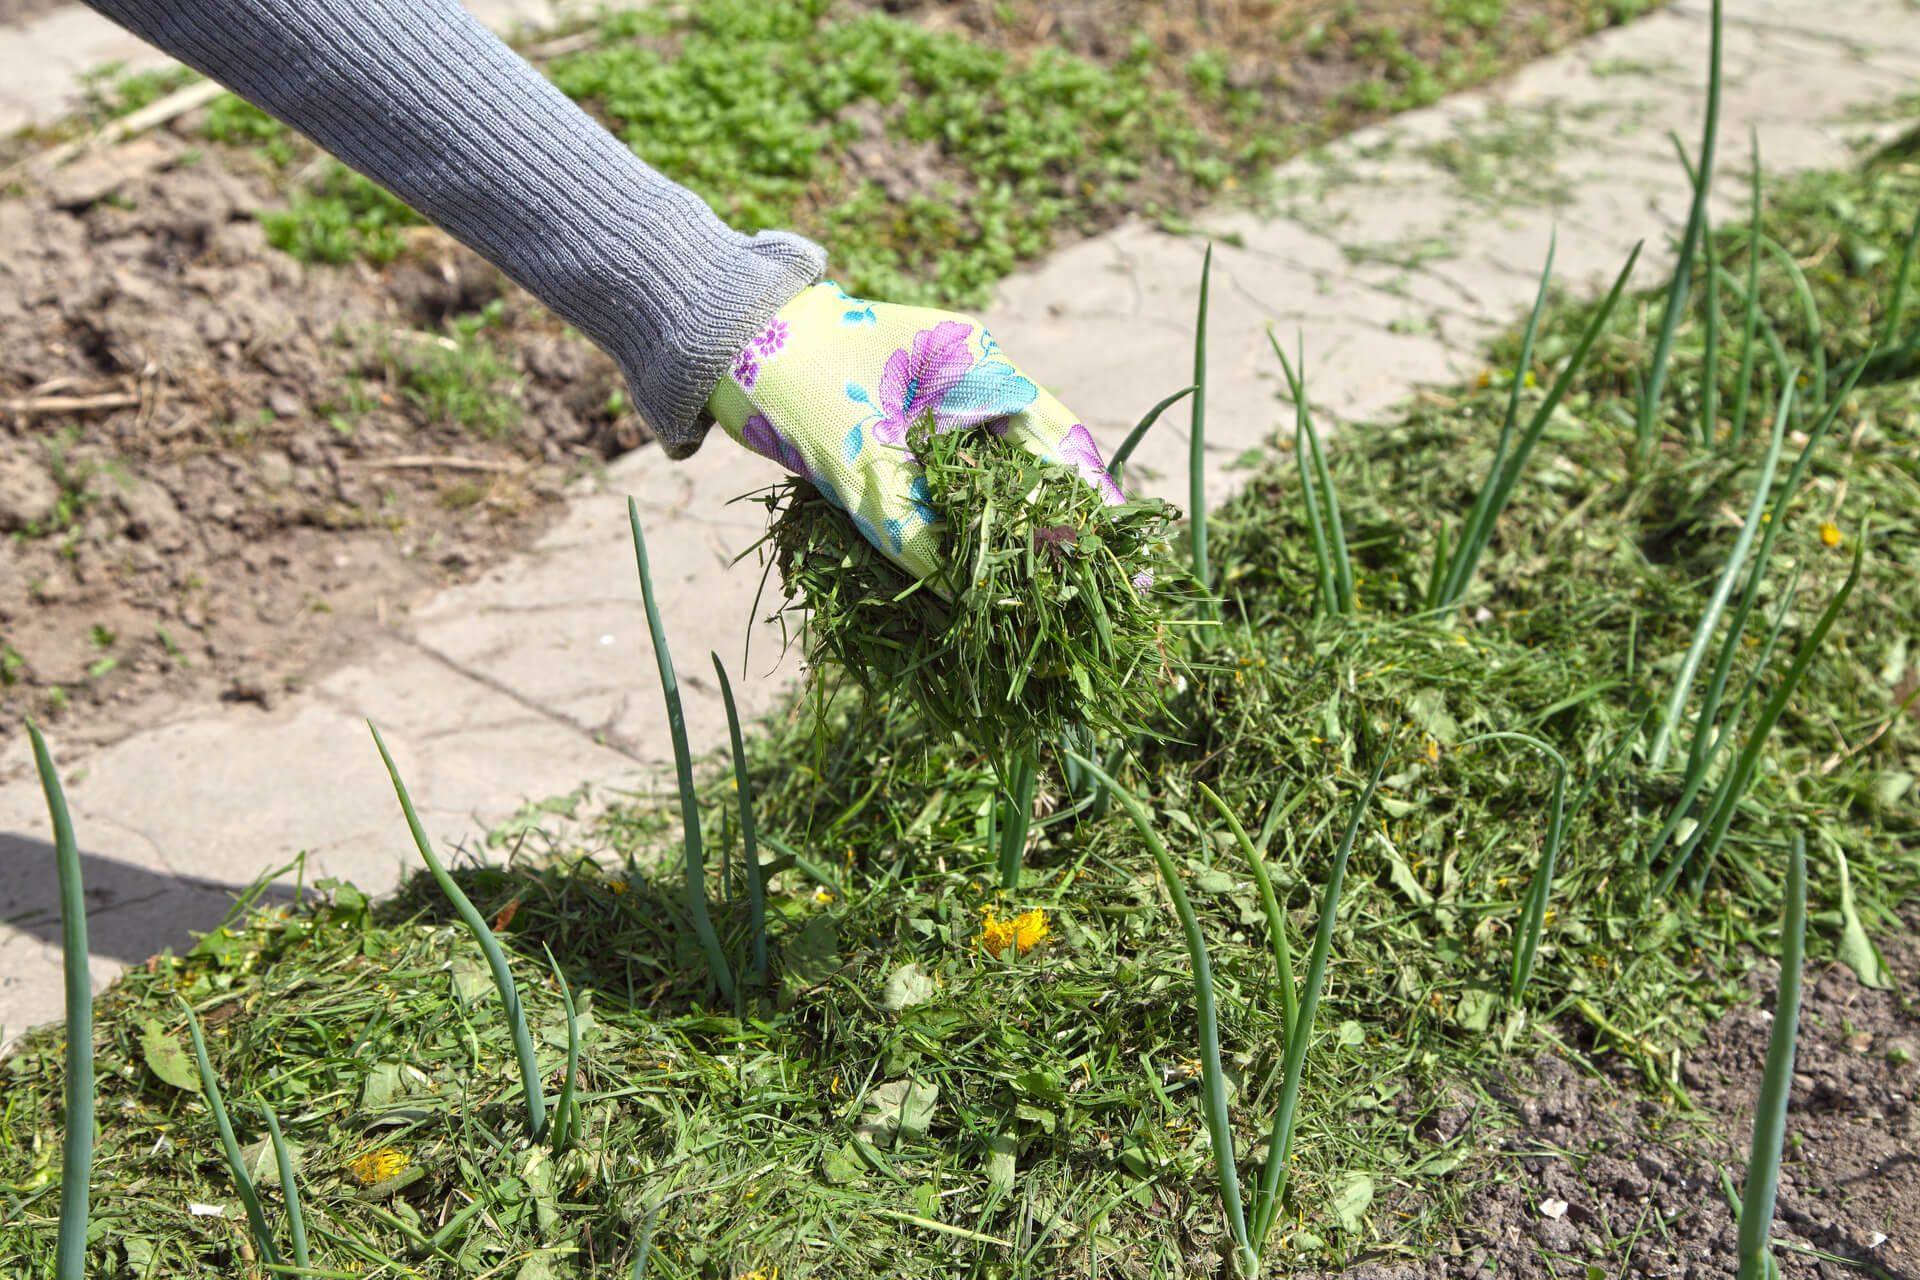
pixel 764 273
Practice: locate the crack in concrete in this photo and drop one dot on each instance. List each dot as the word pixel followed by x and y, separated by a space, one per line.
pixel 505 690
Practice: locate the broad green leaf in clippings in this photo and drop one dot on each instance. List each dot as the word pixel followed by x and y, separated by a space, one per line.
pixel 1330 719
pixel 1401 874
pixel 814 956
pixel 546 1202
pixel 906 986
pixel 538 1266
pixel 167 1058
pixel 259 1161
pixel 897 1111
pixel 1213 882
pixel 841 1166
pixel 1428 710
pixel 1857 951
pixel 1002 1163
pixel 381 1086
pixel 1352 1200
pixel 553 1032
pixel 1475 1010
pixel 472 980
pixel 1889 785
pixel 1894 668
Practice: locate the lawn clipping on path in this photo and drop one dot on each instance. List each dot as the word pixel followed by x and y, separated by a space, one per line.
pixel 1049 614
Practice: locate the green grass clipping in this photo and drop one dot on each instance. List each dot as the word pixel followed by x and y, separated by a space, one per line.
pixel 1051 615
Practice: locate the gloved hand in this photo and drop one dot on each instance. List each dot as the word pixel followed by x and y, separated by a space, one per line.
pixel 829 387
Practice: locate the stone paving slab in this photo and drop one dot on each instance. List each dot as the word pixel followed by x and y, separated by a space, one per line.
pixel 1396 254
pixel 41 58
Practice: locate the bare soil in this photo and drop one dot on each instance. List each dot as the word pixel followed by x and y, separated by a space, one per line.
pixel 1608 1181
pixel 213 470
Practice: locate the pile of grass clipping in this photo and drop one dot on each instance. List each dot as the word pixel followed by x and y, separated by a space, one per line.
pixel 1050 615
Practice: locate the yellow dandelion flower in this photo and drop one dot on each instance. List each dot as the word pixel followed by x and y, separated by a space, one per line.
pixel 1433 752
pixel 1830 533
pixel 1030 929
pixel 823 896
pixel 1023 932
pixel 995 934
pixel 379 1166
pixel 617 888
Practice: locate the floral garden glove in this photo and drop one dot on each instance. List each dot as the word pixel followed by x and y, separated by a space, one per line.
pixel 829 387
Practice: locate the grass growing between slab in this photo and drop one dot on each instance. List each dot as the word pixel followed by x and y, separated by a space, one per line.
pixel 951 1080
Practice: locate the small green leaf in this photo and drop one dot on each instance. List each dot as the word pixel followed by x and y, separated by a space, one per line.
pixel 472 980
pixel 906 986
pixel 1002 1163
pixel 1040 1083
pixel 1352 1200
pixel 814 955
pixel 538 1266
pixel 898 1111
pixel 1475 1010
pixel 1403 878
pixel 167 1058
pixel 1857 951
pixel 381 1086
pixel 1428 710
pixel 257 1158
pixel 1213 882
pixel 841 1165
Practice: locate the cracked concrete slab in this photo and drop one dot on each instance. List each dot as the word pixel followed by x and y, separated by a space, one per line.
pixel 1396 252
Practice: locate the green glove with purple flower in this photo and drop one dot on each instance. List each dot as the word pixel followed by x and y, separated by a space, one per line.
pixel 830 386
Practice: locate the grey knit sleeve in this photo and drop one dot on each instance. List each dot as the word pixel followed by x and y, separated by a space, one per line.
pixel 424 100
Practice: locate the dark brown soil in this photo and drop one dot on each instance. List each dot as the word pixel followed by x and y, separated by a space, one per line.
pixel 1603 1180
pixel 213 470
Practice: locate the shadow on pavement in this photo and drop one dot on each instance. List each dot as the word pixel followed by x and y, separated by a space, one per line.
pixel 132 912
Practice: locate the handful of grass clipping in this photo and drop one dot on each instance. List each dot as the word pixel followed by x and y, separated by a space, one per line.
pixel 1048 616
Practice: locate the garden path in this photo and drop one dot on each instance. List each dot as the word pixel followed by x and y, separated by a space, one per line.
pixel 1397 253
pixel 43 55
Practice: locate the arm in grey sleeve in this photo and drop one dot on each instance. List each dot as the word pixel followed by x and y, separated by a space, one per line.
pixel 421 98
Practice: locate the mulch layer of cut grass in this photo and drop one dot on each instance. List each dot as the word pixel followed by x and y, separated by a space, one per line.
pixel 944 1082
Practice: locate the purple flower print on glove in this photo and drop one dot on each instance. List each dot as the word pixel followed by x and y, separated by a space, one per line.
pixel 917 377
pixel 1079 451
pixel 765 439
pixel 770 339
pixel 746 367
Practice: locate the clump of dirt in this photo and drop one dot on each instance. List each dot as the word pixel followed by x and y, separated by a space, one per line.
pixel 1597 1174
pixel 217 466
